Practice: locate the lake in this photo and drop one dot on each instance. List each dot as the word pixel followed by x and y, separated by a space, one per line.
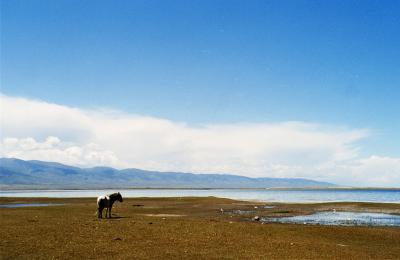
pixel 267 195
pixel 340 219
pixel 25 205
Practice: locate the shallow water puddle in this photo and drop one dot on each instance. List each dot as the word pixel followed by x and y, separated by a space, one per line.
pixel 268 207
pixel 23 205
pixel 242 212
pixel 341 219
pixel 163 215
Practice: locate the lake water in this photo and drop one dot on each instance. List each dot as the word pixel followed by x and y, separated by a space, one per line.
pixel 267 195
pixel 24 205
pixel 341 219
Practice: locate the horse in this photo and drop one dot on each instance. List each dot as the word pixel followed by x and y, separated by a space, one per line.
pixel 107 202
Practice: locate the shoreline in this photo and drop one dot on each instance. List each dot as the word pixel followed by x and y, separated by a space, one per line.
pixel 318 206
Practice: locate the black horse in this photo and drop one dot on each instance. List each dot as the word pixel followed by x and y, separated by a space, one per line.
pixel 107 202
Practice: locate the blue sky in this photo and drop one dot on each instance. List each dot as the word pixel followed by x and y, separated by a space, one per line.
pixel 335 63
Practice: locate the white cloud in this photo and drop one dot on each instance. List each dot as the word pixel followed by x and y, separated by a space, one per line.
pixel 52 149
pixel 33 129
pixel 376 171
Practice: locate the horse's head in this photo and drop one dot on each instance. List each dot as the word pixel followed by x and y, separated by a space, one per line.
pixel 119 197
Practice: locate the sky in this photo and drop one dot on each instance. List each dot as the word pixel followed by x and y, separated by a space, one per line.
pixel 257 88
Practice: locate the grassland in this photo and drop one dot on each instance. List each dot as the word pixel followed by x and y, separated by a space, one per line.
pixel 186 228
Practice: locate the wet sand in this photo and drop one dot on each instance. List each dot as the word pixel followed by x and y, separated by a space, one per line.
pixel 187 228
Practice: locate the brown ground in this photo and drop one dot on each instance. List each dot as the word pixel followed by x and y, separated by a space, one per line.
pixel 186 228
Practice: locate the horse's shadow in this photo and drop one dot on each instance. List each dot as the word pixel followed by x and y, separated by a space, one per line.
pixel 116 217
pixel 119 217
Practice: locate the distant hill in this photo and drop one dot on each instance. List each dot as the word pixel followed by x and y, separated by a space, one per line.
pixel 16 174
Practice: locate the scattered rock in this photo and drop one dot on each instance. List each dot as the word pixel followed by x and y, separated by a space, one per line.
pixel 291 244
pixel 117 239
pixel 255 207
pixel 256 218
pixel 150 223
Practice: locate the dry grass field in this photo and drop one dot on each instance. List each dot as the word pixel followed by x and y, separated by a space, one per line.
pixel 185 228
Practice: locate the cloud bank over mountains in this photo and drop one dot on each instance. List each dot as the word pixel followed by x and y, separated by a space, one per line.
pixel 34 129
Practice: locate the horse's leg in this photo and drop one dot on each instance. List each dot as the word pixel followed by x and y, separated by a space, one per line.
pixel 100 212
pixel 110 210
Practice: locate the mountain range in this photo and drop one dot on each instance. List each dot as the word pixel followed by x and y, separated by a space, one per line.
pixel 21 174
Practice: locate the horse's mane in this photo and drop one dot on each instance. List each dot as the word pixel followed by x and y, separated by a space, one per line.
pixel 113 195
